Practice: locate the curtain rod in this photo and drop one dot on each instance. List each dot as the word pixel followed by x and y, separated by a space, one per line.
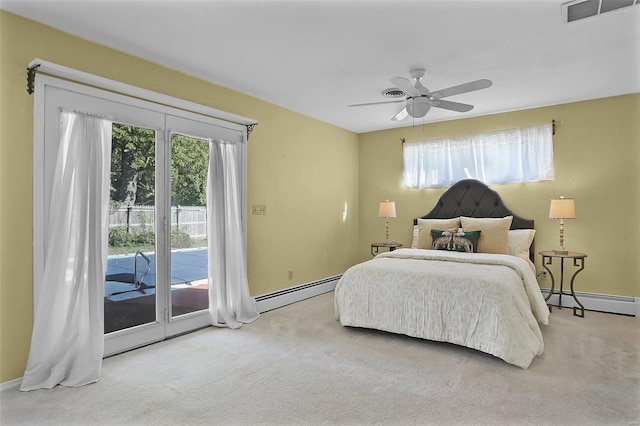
pixel 45 67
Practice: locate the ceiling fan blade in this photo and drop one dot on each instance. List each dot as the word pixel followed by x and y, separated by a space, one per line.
pixel 377 103
pixel 401 115
pixel 420 88
pixel 462 88
pixel 453 106
pixel 405 85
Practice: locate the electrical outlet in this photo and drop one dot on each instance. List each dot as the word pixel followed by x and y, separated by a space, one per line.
pixel 290 274
pixel 259 209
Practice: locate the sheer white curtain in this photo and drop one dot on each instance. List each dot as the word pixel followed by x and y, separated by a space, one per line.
pixel 67 340
pixel 230 304
pixel 501 157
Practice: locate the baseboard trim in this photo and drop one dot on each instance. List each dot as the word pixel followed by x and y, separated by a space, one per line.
pixel 11 384
pixel 614 304
pixel 287 296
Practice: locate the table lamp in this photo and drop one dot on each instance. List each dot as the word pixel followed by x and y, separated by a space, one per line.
pixel 562 208
pixel 387 210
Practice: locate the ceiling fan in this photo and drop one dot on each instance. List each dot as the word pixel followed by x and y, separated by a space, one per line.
pixel 419 99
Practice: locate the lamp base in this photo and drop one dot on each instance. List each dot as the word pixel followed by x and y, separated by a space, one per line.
pixel 561 252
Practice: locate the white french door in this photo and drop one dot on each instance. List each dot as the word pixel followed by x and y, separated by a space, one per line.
pixel 186 159
pixel 156 283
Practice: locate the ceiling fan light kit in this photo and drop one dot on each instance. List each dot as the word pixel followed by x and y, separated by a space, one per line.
pixel 418 107
pixel 419 99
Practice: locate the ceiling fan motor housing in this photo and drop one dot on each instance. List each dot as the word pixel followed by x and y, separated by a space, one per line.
pixel 418 107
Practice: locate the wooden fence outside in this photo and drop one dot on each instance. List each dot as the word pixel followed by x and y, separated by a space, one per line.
pixel 189 219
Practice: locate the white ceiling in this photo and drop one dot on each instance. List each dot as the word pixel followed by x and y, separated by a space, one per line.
pixel 317 57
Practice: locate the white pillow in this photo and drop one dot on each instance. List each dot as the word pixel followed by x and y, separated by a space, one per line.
pixel 416 233
pixel 519 242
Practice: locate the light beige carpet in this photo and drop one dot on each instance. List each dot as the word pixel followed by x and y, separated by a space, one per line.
pixel 297 365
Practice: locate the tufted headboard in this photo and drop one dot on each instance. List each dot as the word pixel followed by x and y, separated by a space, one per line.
pixel 473 198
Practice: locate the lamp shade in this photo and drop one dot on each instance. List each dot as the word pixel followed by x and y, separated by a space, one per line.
pixel 562 208
pixel 387 209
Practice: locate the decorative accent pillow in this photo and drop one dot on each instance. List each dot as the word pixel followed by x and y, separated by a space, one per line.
pixel 495 233
pixel 456 241
pixel 519 242
pixel 426 225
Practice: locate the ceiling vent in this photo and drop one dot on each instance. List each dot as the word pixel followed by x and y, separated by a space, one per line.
pixel 393 93
pixel 580 9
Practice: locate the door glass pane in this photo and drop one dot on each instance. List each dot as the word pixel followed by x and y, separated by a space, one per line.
pixel 189 276
pixel 129 291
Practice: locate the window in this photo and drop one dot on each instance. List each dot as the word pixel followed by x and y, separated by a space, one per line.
pixel 502 157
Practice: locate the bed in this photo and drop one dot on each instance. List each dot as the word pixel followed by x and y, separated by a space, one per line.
pixel 477 289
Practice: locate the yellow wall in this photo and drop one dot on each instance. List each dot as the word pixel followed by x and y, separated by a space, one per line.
pixel 597 161
pixel 304 170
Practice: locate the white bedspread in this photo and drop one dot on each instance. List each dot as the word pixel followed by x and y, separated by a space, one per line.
pixel 487 302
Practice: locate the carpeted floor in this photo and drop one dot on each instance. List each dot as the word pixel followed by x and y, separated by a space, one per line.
pixel 297 365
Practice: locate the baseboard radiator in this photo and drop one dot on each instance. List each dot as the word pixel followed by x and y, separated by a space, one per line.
pixel 622 305
pixel 614 304
pixel 287 296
